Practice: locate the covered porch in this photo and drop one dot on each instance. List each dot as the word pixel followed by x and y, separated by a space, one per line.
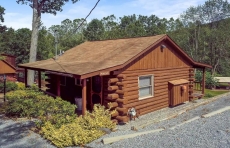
pixel 196 89
pixel 56 86
pixel 84 92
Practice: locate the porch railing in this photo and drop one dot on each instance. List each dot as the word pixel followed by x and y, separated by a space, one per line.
pixel 197 86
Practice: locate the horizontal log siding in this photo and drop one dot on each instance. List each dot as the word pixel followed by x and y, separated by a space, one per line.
pixel 160 84
pixel 105 89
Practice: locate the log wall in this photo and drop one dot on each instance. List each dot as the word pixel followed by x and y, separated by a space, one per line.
pixel 123 93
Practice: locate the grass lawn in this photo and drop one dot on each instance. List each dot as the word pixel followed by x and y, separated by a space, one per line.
pixel 212 93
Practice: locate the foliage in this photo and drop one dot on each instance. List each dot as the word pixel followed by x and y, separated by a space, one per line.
pixel 82 130
pixel 212 93
pixel 210 81
pixel 10 86
pixel 40 7
pixel 94 30
pixel 2 12
pixel 2 57
pixel 198 76
pixel 32 103
pixel 209 95
pixel 21 86
pixel 57 118
pixel 67 35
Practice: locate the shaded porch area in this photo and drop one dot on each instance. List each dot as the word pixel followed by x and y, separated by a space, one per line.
pixel 62 85
pixel 82 92
pixel 196 89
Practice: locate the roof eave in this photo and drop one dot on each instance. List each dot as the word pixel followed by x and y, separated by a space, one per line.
pixel 201 65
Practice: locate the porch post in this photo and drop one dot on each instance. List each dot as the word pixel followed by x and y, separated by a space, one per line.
pixel 58 91
pixel 39 79
pixel 25 77
pixel 83 96
pixel 203 81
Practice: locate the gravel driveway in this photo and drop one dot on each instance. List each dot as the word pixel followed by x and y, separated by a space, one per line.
pixel 213 132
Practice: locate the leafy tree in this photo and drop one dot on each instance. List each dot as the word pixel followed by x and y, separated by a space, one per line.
pixel 94 30
pixel 7 41
pixel 204 34
pixel 21 47
pixel 45 44
pixel 39 7
pixel 111 27
pixel 67 34
pixel 2 12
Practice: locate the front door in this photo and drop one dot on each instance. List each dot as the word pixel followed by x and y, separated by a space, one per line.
pixel 94 91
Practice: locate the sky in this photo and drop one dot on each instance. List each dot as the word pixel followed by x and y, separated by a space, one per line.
pixel 20 16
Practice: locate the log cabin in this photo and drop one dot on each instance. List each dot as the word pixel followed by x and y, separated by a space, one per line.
pixel 9 68
pixel 7 65
pixel 147 73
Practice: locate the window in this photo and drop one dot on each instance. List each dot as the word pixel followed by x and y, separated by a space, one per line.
pixel 78 82
pixel 145 84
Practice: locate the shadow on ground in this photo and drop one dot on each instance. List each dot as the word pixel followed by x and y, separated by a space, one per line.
pixel 18 134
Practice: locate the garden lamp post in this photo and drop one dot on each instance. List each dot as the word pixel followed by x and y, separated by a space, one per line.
pixel 4 79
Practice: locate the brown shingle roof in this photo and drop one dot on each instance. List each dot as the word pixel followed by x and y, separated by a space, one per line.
pixel 93 56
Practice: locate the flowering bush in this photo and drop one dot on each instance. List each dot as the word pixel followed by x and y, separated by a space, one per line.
pixel 82 130
pixel 57 119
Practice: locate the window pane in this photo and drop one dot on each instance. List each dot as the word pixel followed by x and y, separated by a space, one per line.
pixel 144 81
pixel 145 91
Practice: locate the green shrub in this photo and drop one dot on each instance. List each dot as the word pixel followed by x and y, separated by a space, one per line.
pixel 198 76
pixel 210 81
pixel 58 122
pixel 10 86
pixel 208 95
pixel 21 86
pixel 34 104
pixel 82 130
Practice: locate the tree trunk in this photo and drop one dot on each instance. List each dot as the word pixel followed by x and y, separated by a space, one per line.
pixel 34 39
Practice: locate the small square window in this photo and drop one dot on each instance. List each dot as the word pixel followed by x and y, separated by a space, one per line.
pixel 78 82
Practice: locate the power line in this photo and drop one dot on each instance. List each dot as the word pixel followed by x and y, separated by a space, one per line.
pixel 77 29
pixel 88 15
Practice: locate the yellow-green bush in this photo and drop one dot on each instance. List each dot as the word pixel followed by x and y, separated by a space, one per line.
pixel 58 122
pixel 21 86
pixel 82 130
pixel 33 103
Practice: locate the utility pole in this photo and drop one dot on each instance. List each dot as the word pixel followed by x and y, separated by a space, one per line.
pixel 55 35
pixel 4 78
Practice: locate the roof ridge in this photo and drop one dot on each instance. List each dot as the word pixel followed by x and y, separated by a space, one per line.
pixel 129 37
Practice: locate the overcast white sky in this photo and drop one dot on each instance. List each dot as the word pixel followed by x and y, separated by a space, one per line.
pixel 20 16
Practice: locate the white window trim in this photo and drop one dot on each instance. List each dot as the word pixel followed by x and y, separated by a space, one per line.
pixel 152 84
pixel 76 79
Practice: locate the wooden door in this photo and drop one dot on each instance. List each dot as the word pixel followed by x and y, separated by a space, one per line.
pixel 95 91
